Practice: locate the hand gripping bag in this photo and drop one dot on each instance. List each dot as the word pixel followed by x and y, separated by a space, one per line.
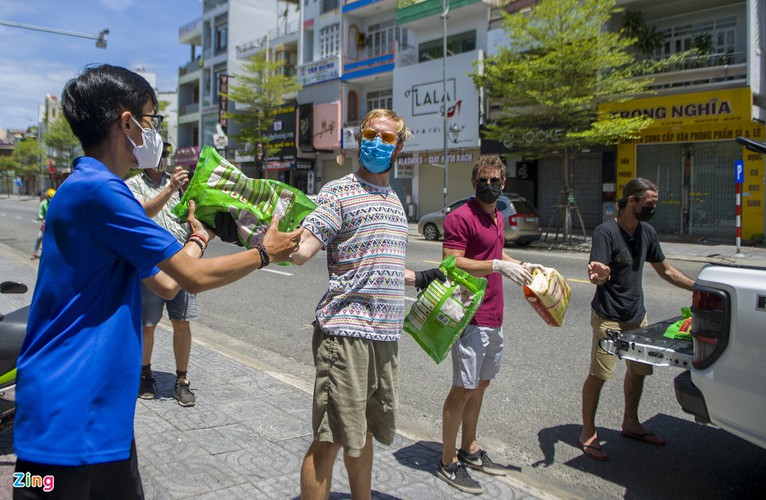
pixel 548 294
pixel 219 186
pixel 443 310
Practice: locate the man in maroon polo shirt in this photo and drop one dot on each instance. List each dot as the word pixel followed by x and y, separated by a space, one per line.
pixel 474 234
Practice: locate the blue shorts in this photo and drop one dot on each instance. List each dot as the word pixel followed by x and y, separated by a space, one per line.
pixel 476 356
pixel 183 307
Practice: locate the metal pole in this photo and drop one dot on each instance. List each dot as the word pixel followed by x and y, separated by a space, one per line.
pixel 100 41
pixel 445 7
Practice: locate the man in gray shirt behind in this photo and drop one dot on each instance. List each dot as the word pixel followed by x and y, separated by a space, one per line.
pixel 158 192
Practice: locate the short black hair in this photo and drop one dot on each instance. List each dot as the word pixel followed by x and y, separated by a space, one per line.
pixel 94 100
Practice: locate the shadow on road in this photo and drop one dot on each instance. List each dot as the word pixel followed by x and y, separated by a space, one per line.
pixel 697 462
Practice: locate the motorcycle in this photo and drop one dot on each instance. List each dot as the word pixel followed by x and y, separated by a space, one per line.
pixel 13 329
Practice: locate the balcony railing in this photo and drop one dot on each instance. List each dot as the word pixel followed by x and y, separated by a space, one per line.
pixel 369 53
pixel 251 47
pixel 190 108
pixel 328 5
pixel 281 30
pixel 190 27
pixel 701 70
pixel 213 4
pixel 189 67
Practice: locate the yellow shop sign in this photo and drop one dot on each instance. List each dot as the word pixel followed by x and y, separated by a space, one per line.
pixel 698 108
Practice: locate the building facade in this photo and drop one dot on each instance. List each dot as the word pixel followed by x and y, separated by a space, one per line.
pixel 213 40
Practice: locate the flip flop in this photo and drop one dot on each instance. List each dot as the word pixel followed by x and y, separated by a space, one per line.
pixel 586 449
pixel 646 437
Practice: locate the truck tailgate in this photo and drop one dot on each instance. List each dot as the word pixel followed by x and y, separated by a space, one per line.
pixel 649 345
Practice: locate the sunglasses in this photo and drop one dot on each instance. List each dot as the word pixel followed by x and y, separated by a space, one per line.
pixel 491 180
pixel 156 120
pixel 386 137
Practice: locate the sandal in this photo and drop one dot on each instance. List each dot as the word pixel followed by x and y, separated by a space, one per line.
pixel 594 451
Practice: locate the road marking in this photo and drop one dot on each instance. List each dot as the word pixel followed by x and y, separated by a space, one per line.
pixel 432 261
pixel 277 272
pixel 410 299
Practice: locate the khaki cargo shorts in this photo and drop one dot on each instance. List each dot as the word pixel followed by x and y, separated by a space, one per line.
pixel 602 363
pixel 355 390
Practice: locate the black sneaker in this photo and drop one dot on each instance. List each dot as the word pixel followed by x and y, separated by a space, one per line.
pixel 183 394
pixel 458 477
pixel 481 461
pixel 146 388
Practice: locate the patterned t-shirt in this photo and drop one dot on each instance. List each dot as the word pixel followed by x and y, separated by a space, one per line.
pixel 364 230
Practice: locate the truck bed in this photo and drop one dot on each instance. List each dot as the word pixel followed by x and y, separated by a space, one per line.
pixel 649 345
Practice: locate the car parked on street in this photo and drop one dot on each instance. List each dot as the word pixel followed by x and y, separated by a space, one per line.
pixel 522 223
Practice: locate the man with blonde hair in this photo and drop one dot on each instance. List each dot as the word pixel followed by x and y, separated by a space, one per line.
pixel 362 225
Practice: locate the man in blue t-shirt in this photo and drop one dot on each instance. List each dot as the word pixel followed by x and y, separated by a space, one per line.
pixel 619 249
pixel 79 365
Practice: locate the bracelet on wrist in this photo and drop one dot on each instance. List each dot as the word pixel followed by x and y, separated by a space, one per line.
pixel 201 236
pixel 264 255
pixel 199 244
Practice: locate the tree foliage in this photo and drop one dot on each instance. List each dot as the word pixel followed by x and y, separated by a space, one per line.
pixel 259 92
pixel 63 146
pixel 561 64
pixel 26 156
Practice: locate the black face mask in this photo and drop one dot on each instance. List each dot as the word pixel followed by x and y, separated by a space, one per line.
pixel 488 193
pixel 646 213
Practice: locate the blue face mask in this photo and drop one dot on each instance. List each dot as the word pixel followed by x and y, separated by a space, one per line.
pixel 375 155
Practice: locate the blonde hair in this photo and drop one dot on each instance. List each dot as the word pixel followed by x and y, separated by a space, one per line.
pixel 402 132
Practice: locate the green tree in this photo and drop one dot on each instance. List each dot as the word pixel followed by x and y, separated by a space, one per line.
pixel 561 63
pixel 63 146
pixel 26 156
pixel 259 91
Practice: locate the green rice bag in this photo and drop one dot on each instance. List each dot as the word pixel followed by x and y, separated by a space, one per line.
pixel 443 310
pixel 219 186
pixel 681 329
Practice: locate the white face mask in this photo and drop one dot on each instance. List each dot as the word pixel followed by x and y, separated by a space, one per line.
pixel 147 154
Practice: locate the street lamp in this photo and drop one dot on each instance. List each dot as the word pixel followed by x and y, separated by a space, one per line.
pixel 445 127
pixel 100 41
pixel 454 131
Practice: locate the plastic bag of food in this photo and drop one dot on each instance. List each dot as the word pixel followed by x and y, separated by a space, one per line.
pixel 548 294
pixel 219 186
pixel 681 329
pixel 443 310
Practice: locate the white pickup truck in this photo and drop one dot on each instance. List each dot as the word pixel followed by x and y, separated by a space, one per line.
pixel 724 381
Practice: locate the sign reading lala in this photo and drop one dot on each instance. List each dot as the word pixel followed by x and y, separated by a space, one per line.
pixel 419 98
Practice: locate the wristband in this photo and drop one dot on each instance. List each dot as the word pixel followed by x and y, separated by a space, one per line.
pixel 200 236
pixel 264 255
pixel 199 244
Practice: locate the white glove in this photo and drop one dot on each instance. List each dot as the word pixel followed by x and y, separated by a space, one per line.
pixel 512 271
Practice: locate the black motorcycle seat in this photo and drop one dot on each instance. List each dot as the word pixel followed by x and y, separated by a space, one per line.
pixel 13 329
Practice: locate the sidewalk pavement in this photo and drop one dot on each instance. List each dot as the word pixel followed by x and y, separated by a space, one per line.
pixel 247 434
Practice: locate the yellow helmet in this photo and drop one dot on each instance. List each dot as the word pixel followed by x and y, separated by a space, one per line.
pixel 50 193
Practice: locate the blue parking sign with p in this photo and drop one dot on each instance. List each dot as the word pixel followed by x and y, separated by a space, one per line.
pixel 739 172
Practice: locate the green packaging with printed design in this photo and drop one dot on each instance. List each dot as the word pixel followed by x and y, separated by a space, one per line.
pixel 443 310
pixel 219 186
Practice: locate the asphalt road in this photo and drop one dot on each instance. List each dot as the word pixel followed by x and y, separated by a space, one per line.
pixel 531 413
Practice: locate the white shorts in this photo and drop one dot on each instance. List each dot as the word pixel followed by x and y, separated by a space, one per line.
pixel 476 356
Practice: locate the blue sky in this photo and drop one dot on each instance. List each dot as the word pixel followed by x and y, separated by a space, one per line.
pixel 34 63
